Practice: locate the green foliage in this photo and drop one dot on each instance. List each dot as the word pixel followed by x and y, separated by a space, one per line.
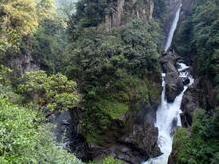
pixel 48 44
pixel 108 160
pixel 99 55
pixel 111 160
pixel 201 146
pixel 46 9
pixel 6 89
pixel 206 37
pixel 200 37
pixel 91 13
pixel 16 22
pixel 24 140
pixel 5 74
pixel 55 92
pixel 160 10
pixel 111 70
pixel 142 46
pixel 113 108
pixel 95 123
pixel 20 19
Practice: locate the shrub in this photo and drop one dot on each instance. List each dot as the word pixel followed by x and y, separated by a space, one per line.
pixel 23 138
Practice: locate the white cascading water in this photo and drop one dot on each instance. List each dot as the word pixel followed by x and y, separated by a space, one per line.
pixel 168 114
pixel 173 29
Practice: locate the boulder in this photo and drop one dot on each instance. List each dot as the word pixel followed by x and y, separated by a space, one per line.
pixel 140 142
pixel 68 135
pixel 186 81
pixel 168 62
pixel 189 104
pixel 174 84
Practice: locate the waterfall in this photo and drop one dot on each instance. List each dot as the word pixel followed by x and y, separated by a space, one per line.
pixel 168 114
pixel 173 29
pixel 168 118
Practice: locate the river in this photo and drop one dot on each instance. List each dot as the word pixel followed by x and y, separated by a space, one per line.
pixel 168 114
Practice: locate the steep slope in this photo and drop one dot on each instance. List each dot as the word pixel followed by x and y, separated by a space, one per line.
pixel 197 42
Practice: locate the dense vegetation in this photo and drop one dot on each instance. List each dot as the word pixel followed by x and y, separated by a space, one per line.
pixel 24 139
pixel 201 145
pixel 198 38
pixel 112 69
pixel 24 134
pixel 105 74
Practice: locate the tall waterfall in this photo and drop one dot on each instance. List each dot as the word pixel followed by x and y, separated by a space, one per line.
pixel 168 114
pixel 173 29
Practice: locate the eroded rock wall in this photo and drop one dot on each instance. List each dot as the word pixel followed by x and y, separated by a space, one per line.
pixel 123 11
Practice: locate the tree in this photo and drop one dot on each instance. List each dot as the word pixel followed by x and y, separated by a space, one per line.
pixel 46 9
pixel 24 139
pixel 16 22
pixel 54 92
pixel 91 13
pixel 113 71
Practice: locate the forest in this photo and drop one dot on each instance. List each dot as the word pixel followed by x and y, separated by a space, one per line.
pixel 101 61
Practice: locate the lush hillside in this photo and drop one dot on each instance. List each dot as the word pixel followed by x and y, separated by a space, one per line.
pixel 25 29
pixel 82 81
pixel 198 39
pixel 116 73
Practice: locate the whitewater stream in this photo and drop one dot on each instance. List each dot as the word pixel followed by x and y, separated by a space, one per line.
pixel 168 114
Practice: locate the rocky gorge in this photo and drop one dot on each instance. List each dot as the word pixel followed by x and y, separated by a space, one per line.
pixel 139 139
pixel 113 81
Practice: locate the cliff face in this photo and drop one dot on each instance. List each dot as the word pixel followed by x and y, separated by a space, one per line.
pixel 124 11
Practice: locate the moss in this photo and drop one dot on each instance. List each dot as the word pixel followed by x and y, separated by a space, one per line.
pixel 108 160
pixel 113 108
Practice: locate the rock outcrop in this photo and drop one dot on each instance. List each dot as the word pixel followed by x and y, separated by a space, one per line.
pixel 174 84
pixel 190 103
pixel 67 134
pixel 23 63
pixel 123 11
pixel 139 143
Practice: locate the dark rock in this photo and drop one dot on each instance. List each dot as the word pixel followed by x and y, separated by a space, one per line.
pixel 68 135
pixel 174 84
pixel 144 139
pixel 129 153
pixel 168 62
pixel 186 81
pixel 22 63
pixel 189 104
pixel 140 141
pixel 174 126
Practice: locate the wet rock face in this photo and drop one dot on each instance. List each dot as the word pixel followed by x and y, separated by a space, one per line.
pixel 137 141
pixel 174 84
pixel 190 103
pixel 123 11
pixel 67 134
pixel 139 145
pixel 140 142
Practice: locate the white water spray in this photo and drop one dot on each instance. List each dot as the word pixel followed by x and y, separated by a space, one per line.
pixel 168 118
